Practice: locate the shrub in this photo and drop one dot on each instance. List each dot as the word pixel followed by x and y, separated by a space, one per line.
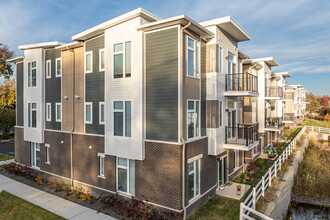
pixel 7 122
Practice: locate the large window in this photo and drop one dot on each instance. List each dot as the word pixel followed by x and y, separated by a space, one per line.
pixel 35 155
pixel 32 74
pixel 58 67
pixel 220 113
pixel 88 113
pixel 193 58
pixel 193 119
pixel 48 111
pixel 58 112
pixel 101 113
pixel 48 69
pixel 126 175
pixel 194 179
pixel 220 59
pixel 122 118
pixel 89 62
pixel 236 158
pixel 101 59
pixel 32 115
pixel 47 148
pixel 122 60
pixel 101 156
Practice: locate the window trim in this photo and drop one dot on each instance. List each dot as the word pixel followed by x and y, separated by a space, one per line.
pixel 199 119
pixel 91 104
pixel 197 66
pixel 30 114
pixel 128 178
pixel 34 160
pixel 50 111
pixel 58 59
pixel 49 73
pixel 124 117
pixel 85 64
pixel 30 75
pixel 196 196
pixel 47 150
pixel 100 68
pixel 101 156
pixel 58 104
pixel 100 121
pixel 124 59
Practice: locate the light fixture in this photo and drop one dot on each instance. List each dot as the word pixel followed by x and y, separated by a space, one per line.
pixel 62 142
pixel 77 97
pixel 90 147
pixel 66 97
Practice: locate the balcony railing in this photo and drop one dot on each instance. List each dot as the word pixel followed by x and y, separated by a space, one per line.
pixel 241 82
pixel 273 123
pixel 242 134
pixel 288 95
pixel 288 116
pixel 274 91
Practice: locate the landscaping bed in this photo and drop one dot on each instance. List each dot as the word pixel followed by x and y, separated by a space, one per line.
pixel 110 204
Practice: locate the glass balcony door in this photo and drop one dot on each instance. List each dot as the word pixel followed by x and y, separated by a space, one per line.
pixel 222 171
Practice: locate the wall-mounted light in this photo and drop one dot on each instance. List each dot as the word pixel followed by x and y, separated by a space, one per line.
pixel 90 147
pixel 66 97
pixel 77 97
pixel 62 142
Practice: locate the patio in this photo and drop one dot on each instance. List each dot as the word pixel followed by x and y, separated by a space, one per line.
pixel 231 191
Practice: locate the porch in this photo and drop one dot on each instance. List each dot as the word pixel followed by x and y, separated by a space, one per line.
pixel 230 190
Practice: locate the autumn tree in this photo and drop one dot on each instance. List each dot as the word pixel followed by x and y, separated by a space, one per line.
pixel 6 69
pixel 314 104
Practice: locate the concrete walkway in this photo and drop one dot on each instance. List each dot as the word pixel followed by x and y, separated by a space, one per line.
pixel 52 203
pixel 7 162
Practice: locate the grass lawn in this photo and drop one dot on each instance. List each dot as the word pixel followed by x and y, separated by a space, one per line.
pixel 12 207
pixel 288 132
pixel 316 123
pixel 5 157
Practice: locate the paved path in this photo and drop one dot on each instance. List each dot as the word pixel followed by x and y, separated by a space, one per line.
pixel 52 203
pixel 4 162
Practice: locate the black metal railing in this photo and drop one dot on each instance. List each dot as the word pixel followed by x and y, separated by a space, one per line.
pixel 241 82
pixel 274 123
pixel 274 91
pixel 289 117
pixel 242 134
pixel 288 95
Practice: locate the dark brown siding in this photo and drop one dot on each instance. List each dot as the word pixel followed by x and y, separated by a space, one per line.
pixel 22 148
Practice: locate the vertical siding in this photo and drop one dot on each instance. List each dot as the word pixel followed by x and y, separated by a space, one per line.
pixel 53 88
pixel 162 85
pixel 203 88
pixel 95 85
pixel 19 95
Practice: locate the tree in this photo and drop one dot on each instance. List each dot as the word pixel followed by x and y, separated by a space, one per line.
pixel 6 69
pixel 7 106
pixel 314 104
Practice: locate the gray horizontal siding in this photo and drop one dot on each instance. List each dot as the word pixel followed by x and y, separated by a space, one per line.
pixel 19 95
pixel 94 83
pixel 162 85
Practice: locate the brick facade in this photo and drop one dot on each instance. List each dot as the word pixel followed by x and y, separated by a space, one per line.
pixel 22 148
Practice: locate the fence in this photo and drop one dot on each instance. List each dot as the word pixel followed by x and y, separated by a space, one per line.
pixel 249 205
pixel 318 129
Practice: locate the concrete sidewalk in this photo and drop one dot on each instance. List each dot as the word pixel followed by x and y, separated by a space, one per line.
pixel 52 203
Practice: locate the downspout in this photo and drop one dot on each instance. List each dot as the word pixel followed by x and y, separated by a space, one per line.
pixel 183 147
pixel 73 114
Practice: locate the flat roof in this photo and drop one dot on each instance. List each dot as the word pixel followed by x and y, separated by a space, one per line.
pixel 242 55
pixel 269 60
pixel 16 59
pixel 99 29
pixel 284 74
pixel 70 45
pixel 294 86
pixel 180 19
pixel 41 45
pixel 229 25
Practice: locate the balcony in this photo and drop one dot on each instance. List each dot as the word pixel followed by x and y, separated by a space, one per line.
pixel 273 124
pixel 273 92
pixel 289 117
pixel 288 96
pixel 242 137
pixel 241 84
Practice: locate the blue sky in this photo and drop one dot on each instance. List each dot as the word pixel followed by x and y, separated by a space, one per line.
pixel 295 32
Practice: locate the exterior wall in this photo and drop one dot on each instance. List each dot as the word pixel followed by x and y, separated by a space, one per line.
pixel 212 107
pixel 20 94
pixel 22 148
pixel 125 89
pixel 34 94
pixel 94 85
pixel 52 88
pixel 232 172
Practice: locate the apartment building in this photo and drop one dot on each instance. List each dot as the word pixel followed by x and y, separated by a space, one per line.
pixel 295 108
pixel 166 110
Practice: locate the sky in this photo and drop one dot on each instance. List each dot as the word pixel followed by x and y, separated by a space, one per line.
pixel 295 32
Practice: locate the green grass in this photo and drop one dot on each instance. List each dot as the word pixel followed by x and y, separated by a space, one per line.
pixel 316 123
pixel 288 132
pixel 5 157
pixel 14 208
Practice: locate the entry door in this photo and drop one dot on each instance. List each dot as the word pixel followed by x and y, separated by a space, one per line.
pixel 222 170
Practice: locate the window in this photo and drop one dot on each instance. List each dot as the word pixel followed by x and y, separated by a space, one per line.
pixel 47 148
pixel 120 64
pixel 101 59
pixel 220 59
pixel 122 118
pixel 194 179
pixel 101 156
pixel 193 58
pixel 88 62
pixel 48 69
pixel 58 67
pixel 32 115
pixel 193 119
pixel 32 74
pixel 220 113
pixel 58 112
pixel 101 113
pixel 236 158
pixel 48 111
pixel 126 175
pixel 35 155
pixel 88 113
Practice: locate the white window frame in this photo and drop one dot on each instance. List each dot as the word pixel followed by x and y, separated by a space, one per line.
pixel 128 180
pixel 91 121
pixel 58 104
pixel 197 66
pixel 49 72
pixel 124 117
pixel 30 74
pixel 100 118
pixel 49 111
pixel 34 159
pixel 58 59
pixel 236 158
pixel 47 148
pixel 101 157
pixel 85 65
pixel 195 161
pixel 199 118
pixel 124 59
pixel 100 68
pixel 30 114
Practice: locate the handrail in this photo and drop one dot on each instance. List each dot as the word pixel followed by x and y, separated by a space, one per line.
pixel 241 82
pixel 242 133
pixel 273 91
